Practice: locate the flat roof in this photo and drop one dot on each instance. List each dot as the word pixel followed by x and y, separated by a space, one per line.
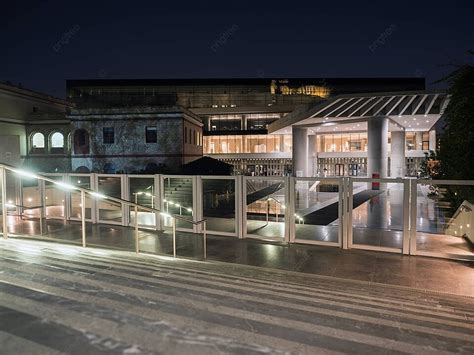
pixel 243 81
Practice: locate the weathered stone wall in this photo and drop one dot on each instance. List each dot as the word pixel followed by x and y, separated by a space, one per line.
pixel 49 160
pixel 130 153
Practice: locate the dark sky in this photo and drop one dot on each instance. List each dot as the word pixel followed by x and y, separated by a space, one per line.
pixel 46 42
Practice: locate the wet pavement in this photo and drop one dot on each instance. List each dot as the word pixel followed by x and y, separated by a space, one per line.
pixel 386 268
pixel 57 299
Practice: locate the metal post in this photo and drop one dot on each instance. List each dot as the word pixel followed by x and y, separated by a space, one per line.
pixel 268 209
pixel 137 246
pixel 42 209
pixel 173 222
pixel 4 204
pixel 83 217
pixel 205 239
pixel 41 220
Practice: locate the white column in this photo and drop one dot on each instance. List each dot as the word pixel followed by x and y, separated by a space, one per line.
pixel 432 140
pixel 418 140
pixel 377 152
pixel 243 123
pixel 300 151
pixel 312 154
pixel 397 154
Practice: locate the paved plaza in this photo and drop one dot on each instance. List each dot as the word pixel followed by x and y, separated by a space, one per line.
pixel 57 299
pixel 388 268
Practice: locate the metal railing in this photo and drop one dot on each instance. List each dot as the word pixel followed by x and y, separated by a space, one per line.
pixel 95 195
pixel 345 222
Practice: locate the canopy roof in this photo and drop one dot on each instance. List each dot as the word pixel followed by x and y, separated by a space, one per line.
pixel 412 111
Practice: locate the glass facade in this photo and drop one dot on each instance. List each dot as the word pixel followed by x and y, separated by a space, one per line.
pixel 255 143
pixel 345 142
pixel 251 122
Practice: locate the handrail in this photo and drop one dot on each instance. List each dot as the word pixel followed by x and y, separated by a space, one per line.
pixel 96 195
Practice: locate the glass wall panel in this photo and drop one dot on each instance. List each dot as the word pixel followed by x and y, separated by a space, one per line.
pixel 179 199
pixel 110 186
pixel 445 219
pixel 84 182
pixel 317 215
pixel 54 198
pixel 265 208
pixel 142 190
pixel 377 215
pixel 219 204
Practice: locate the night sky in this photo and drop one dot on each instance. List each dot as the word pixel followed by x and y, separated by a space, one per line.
pixel 46 42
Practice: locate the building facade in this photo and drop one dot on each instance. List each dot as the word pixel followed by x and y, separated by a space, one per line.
pixel 158 125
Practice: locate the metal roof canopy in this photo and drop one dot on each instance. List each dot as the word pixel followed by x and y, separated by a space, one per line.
pixel 412 111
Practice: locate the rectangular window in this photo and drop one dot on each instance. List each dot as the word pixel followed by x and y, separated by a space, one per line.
pixel 185 134
pixel 108 135
pixel 151 134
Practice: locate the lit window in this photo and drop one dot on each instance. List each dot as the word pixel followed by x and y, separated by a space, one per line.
pixel 57 140
pixel 151 135
pixel 38 140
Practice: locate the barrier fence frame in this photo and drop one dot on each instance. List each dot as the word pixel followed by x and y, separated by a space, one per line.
pixel 345 208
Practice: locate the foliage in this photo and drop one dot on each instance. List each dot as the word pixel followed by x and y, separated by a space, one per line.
pixel 456 152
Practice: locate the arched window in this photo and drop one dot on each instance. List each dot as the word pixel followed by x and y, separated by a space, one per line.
pixel 81 142
pixel 37 143
pixel 56 142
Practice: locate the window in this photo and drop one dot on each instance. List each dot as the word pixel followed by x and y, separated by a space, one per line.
pixel 37 141
pixel 57 140
pixel 151 134
pixel 81 142
pixel 185 134
pixel 108 135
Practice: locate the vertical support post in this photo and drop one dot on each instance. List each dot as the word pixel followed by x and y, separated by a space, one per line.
pixel 125 195
pixel 342 213
pixel 157 193
pixel 413 211
pixel 204 236
pixel 242 206
pixel 43 210
pixel 268 208
pixel 350 207
pixel 83 217
pixel 406 217
pixel 137 245
pixel 173 221
pixel 290 183
pixel 94 204
pixel 4 204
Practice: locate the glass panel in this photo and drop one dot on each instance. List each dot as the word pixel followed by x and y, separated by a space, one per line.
pixel 377 215
pixel 110 211
pixel 84 182
pixel 142 190
pixel 219 204
pixel 54 198
pixel 317 210
pixel 265 208
pixel 31 197
pixel 179 199
pixel 445 219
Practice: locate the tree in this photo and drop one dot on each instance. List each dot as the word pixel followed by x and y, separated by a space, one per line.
pixel 456 152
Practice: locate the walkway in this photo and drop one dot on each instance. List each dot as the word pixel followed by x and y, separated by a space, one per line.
pixel 56 300
pixel 387 268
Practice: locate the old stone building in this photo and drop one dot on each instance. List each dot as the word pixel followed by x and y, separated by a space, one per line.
pixel 134 139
